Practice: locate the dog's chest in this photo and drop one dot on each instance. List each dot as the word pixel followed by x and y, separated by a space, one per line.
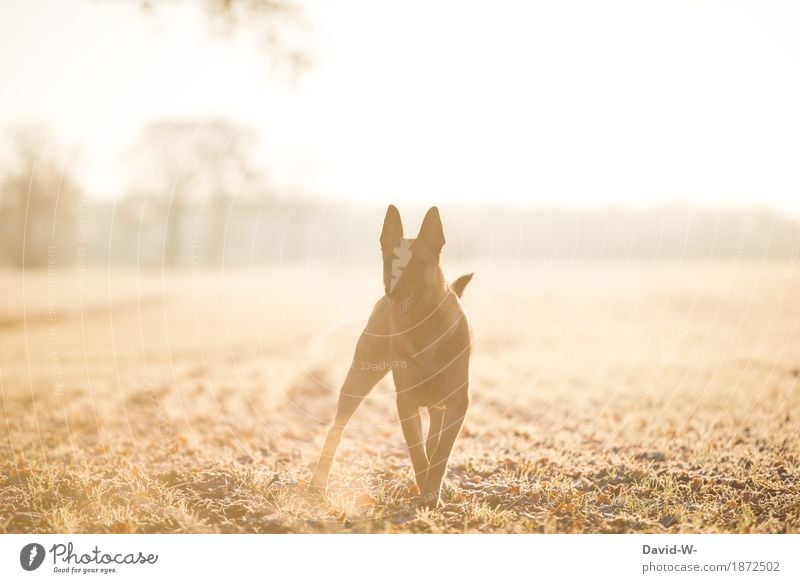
pixel 432 355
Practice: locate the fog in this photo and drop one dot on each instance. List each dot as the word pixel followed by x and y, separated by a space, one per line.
pixel 233 133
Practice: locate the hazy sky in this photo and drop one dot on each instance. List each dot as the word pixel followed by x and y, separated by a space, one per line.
pixel 575 103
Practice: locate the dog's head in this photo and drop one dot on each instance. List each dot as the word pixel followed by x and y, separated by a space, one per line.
pixel 411 266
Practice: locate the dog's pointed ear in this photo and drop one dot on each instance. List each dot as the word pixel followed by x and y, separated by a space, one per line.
pixel 431 231
pixel 392 228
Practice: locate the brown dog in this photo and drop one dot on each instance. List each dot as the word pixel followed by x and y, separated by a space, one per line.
pixel 420 323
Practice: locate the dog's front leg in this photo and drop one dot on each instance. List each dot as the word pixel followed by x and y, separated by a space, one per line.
pixel 436 420
pixel 451 425
pixel 412 431
pixel 361 378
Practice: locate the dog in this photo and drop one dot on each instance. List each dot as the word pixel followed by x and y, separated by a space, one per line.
pixel 419 322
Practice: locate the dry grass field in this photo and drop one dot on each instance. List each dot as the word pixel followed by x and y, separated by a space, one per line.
pixel 607 397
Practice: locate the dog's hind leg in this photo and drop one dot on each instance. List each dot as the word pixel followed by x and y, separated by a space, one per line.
pixel 451 425
pixel 412 431
pixel 369 367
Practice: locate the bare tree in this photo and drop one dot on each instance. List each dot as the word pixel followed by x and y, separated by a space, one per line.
pixel 199 167
pixel 278 25
pixel 196 170
pixel 40 201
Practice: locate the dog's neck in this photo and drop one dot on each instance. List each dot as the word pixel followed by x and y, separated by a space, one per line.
pixel 422 303
pixel 420 330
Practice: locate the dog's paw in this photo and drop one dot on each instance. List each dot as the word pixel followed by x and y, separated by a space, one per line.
pixel 429 500
pixel 316 489
pixel 449 490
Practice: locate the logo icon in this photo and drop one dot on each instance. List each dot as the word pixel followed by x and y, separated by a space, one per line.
pixel 31 556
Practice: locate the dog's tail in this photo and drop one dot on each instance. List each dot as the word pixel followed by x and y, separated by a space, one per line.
pixel 459 284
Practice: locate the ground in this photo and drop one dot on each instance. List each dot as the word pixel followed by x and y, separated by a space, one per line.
pixel 606 397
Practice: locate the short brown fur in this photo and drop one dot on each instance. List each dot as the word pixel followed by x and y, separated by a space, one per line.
pixel 420 322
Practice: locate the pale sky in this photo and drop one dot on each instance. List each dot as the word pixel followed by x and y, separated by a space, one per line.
pixel 547 103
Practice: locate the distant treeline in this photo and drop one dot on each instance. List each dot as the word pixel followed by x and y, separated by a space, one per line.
pixel 198 197
pixel 136 231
